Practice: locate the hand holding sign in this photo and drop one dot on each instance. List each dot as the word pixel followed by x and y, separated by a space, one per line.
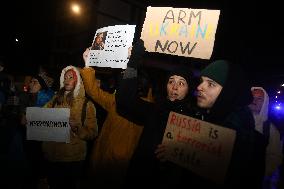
pixel 74 125
pixel 161 152
pixel 137 53
pixel 86 56
pixel 129 51
pixel 23 120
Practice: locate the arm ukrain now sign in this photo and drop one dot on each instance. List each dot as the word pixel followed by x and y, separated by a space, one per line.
pixel 180 31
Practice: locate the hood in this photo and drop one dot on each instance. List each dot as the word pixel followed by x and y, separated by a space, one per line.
pixel 182 71
pixel 263 114
pixel 79 88
pixel 217 71
pixel 41 82
pixel 235 94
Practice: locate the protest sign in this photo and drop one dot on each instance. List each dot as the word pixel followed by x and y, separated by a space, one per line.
pixel 48 124
pixel 199 146
pixel 110 46
pixel 180 31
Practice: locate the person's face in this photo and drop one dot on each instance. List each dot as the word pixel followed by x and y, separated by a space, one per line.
pixel 258 100
pixel 69 81
pixel 34 86
pixel 208 91
pixel 99 38
pixel 177 88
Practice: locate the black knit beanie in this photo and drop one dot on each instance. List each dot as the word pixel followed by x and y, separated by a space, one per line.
pixel 41 81
pixel 217 71
pixel 182 71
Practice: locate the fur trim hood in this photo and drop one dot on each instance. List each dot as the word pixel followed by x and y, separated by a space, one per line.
pixel 263 114
pixel 79 88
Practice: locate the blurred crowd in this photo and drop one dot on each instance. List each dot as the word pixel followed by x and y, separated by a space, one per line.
pixel 117 122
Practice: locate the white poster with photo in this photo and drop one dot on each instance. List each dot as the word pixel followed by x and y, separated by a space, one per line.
pixel 202 147
pixel 110 46
pixel 48 124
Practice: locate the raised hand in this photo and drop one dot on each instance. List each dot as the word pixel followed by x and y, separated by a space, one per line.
pixel 137 52
pixel 85 56
pixel 160 152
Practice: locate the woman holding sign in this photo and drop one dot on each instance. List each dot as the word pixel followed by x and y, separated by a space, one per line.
pixel 38 95
pixel 117 139
pixel 66 159
pixel 145 169
pixel 223 98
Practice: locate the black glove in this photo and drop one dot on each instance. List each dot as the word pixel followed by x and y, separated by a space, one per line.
pixel 138 50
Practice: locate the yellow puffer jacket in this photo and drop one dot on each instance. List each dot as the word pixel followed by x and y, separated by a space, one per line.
pixel 118 138
pixel 77 148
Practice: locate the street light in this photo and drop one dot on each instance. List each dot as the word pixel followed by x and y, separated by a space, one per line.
pixel 75 8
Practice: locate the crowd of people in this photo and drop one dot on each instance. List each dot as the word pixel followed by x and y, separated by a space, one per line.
pixel 126 151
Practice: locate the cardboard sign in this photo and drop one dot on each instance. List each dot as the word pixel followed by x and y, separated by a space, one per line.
pixel 202 147
pixel 110 46
pixel 180 31
pixel 48 124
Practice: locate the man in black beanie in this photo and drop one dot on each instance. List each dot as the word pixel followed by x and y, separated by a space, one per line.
pixel 224 96
pixel 41 81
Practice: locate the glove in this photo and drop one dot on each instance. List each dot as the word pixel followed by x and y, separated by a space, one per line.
pixel 137 53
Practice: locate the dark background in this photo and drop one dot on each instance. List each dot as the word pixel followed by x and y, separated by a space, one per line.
pixel 249 33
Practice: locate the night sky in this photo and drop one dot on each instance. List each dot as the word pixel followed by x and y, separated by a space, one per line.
pixel 248 32
pixel 30 23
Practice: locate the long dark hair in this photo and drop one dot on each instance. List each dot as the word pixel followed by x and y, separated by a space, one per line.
pixel 60 97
